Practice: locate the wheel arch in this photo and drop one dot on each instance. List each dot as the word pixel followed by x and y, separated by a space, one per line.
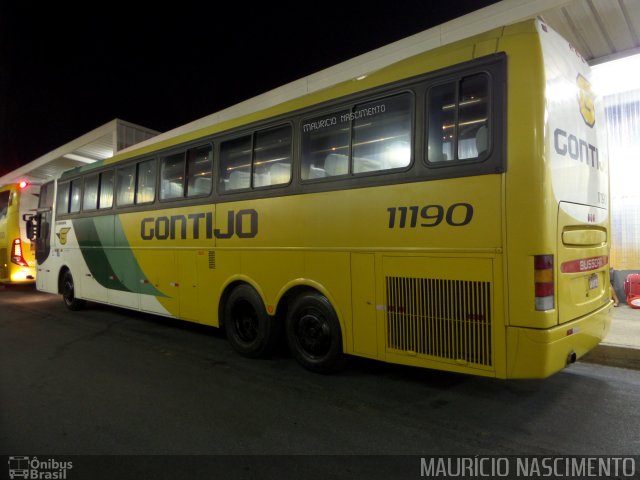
pixel 288 292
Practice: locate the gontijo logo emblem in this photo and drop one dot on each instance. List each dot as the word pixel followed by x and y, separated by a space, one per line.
pixel 586 100
pixel 62 235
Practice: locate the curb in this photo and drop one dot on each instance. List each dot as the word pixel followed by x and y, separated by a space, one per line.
pixel 614 356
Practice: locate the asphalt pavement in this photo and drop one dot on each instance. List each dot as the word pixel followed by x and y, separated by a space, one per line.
pixel 106 381
pixel 621 346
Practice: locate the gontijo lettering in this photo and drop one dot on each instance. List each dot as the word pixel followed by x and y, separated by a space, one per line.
pixel 243 224
pixel 577 148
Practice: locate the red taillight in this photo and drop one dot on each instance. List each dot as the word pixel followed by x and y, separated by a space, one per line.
pixel 16 253
pixel 544 283
pixel 23 184
pixel 544 289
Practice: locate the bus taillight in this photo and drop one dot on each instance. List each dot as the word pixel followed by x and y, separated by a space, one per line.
pixel 544 284
pixel 16 253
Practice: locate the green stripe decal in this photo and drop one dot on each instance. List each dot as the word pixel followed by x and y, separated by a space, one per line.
pixel 108 256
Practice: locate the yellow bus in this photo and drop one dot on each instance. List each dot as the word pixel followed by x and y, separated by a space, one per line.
pixel 448 211
pixel 17 260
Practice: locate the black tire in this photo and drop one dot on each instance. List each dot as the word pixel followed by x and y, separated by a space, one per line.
pixel 313 333
pixel 250 330
pixel 68 293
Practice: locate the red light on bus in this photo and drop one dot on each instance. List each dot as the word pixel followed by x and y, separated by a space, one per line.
pixel 16 253
pixel 23 184
pixel 544 282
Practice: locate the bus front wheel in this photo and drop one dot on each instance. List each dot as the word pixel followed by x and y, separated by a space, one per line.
pixel 68 293
pixel 250 330
pixel 313 333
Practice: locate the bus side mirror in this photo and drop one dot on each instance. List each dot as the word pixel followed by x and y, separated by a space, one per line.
pixel 33 226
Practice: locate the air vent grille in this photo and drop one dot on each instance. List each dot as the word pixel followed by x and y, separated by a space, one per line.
pixel 447 319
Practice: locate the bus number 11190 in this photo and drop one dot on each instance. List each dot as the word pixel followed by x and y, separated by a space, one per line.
pixel 456 215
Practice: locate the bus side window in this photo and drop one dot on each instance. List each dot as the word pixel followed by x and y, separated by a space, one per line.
pixel 272 157
pixel 326 145
pixel 126 185
pixel 382 134
pixel 199 171
pixel 235 164
pixel 62 202
pixel 90 194
pixel 76 195
pixel 106 190
pixel 459 120
pixel 172 176
pixel 146 186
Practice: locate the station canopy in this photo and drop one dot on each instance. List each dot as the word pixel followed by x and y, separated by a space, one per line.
pixel 97 144
pixel 601 30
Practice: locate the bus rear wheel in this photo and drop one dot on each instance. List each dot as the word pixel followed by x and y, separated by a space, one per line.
pixel 68 293
pixel 250 330
pixel 313 333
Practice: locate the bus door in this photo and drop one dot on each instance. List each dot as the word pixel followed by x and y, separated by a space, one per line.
pixel 39 231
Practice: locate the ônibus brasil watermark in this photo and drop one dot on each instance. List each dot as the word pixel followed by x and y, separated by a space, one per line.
pixel 40 469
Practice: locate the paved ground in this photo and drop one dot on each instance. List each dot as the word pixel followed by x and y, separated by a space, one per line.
pixel 621 347
pixel 625 327
pixel 109 381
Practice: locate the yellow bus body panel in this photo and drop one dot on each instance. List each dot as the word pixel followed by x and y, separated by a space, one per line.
pixel 538 353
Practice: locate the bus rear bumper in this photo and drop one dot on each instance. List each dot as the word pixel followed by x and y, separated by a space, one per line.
pixel 25 276
pixel 534 353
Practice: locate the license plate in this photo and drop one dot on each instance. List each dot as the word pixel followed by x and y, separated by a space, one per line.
pixel 593 281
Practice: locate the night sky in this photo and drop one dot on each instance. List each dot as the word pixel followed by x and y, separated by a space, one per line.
pixel 67 69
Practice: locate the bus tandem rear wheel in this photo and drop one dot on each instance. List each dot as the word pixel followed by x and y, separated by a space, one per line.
pixel 250 330
pixel 68 293
pixel 313 333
